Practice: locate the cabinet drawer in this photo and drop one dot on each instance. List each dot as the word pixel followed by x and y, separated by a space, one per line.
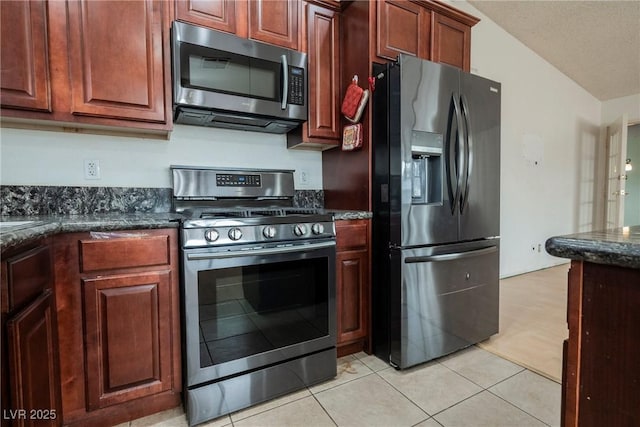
pixel 116 253
pixel 28 274
pixel 351 235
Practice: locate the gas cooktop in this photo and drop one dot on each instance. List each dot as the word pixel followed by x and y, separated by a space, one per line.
pixel 239 206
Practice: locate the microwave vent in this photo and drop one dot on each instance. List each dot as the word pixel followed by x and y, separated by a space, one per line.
pixel 246 121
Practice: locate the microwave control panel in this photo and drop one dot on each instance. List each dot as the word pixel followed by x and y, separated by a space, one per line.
pixel 296 85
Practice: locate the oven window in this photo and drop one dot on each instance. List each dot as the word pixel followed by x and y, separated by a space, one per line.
pixel 224 72
pixel 252 309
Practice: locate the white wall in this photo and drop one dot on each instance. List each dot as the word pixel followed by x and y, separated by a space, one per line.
pixel 33 157
pixel 612 109
pixel 548 118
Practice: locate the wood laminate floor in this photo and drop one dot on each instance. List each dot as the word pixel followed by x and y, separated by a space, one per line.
pixel 533 325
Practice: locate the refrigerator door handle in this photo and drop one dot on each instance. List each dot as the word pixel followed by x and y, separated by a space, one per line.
pixel 451 257
pixel 456 160
pixel 468 152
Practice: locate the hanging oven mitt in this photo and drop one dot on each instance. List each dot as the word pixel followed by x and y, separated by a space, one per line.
pixel 354 101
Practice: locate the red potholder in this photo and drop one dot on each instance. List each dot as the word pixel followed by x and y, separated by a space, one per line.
pixel 352 99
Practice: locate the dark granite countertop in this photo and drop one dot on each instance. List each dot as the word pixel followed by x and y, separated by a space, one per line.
pixel 34 227
pixel 348 214
pixel 618 246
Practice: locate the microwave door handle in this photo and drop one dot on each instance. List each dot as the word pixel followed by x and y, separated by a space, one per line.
pixel 285 82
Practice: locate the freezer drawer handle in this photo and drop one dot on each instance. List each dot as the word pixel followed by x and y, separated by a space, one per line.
pixel 452 257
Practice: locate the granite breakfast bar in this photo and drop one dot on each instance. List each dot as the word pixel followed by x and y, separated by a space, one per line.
pixel 601 373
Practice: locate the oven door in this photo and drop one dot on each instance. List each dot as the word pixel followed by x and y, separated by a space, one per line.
pixel 247 308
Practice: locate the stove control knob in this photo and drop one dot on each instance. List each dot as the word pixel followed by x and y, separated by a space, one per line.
pixel 269 232
pixel 317 228
pixel 299 230
pixel 235 234
pixel 211 235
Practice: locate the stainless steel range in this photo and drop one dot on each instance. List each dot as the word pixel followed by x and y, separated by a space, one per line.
pixel 258 289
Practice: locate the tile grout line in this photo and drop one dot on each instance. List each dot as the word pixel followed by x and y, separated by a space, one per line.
pixel 480 385
pixel 429 416
pixel 517 407
pixel 482 389
pixel 325 410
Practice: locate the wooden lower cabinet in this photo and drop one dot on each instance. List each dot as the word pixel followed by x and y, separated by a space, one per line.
pixel 353 285
pixel 29 362
pixel 601 372
pixel 118 305
pixel 127 335
pixel 33 364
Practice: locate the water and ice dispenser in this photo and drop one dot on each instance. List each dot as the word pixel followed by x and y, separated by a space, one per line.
pixel 426 168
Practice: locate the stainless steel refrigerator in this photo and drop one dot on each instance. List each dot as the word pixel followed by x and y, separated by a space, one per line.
pixel 436 210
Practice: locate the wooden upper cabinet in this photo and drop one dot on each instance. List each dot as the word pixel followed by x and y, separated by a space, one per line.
pixel 451 42
pixel 274 22
pixel 270 21
pixel 402 27
pixel 323 50
pixel 116 59
pixel 426 29
pixel 24 55
pixel 223 15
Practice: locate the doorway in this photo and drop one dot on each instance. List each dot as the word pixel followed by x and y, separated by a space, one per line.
pixel 632 170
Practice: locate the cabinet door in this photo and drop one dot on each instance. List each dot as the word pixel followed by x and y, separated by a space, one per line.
pixel 24 78
pixel 402 27
pixel 352 284
pixel 352 295
pixel 323 48
pixel 451 42
pixel 33 361
pixel 223 15
pixel 127 336
pixel 116 59
pixel 274 22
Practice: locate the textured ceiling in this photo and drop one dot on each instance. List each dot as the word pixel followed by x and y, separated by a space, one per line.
pixel 595 43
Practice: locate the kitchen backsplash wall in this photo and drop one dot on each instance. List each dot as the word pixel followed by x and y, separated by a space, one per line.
pixel 56 158
pixel 55 200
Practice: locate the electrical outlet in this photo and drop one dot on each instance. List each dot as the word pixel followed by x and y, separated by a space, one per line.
pixel 304 176
pixel 91 169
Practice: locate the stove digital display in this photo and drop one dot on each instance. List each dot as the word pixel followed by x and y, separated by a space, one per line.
pixel 237 180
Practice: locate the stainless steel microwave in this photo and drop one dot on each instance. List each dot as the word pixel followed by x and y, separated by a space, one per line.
pixel 222 80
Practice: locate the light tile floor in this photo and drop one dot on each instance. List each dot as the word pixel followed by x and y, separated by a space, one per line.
pixel 469 388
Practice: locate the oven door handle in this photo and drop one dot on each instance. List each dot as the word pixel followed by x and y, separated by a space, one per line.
pixel 265 251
